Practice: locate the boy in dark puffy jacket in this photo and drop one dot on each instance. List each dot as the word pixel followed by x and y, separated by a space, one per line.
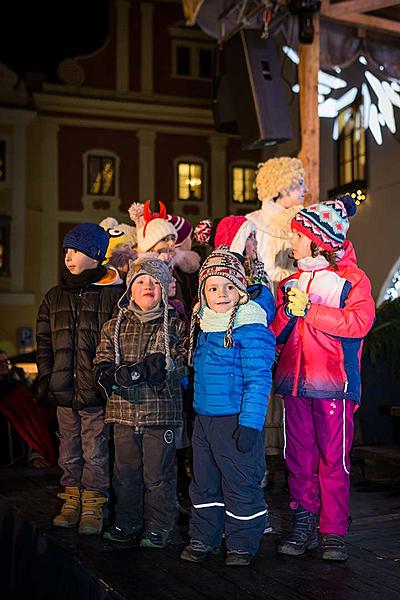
pixel 232 381
pixel 67 333
pixel 139 363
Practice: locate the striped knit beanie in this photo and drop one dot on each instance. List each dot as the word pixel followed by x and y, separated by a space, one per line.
pixel 326 223
pixel 232 231
pixel 183 228
pixel 221 263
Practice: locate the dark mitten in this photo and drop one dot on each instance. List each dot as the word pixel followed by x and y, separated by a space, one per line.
pixel 104 378
pixel 245 438
pixel 155 367
pixel 127 376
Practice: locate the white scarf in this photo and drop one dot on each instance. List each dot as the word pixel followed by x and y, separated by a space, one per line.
pixel 247 314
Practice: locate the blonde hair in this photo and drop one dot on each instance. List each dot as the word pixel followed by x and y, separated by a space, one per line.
pixel 278 175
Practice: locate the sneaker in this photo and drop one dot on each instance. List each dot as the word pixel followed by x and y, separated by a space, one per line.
pixel 121 535
pixel 154 539
pixel 196 551
pixel 238 558
pixel 333 547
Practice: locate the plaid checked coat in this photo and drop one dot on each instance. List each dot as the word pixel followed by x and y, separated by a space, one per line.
pixel 144 405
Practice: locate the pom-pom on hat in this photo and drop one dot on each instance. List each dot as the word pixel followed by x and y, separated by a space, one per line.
pixel 89 238
pixel 278 175
pixel 152 224
pixel 232 231
pixel 326 223
pixel 183 228
pixel 220 263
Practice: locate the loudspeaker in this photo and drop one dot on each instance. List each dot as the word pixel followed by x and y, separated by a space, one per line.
pixel 252 91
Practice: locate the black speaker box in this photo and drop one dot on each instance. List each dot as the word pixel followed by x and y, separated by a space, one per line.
pixel 251 92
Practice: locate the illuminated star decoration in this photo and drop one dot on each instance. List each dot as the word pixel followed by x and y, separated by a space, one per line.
pixel 378 108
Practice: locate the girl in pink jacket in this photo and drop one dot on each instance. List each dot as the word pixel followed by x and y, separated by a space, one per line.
pixel 323 313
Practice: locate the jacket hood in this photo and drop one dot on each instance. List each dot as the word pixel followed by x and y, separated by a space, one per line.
pixel 349 258
pixel 274 219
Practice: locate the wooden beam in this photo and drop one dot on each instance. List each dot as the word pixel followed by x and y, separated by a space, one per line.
pixel 367 22
pixel 309 119
pixel 355 6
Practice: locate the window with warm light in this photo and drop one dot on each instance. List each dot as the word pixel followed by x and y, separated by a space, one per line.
pixel 101 175
pixel 243 184
pixel 190 181
pixel 352 146
pixel 352 153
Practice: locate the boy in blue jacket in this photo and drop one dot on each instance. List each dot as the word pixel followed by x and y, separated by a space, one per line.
pixel 232 380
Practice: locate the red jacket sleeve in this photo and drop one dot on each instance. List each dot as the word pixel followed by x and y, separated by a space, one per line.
pixel 281 319
pixel 354 320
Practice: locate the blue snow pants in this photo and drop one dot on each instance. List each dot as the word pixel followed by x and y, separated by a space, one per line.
pixel 225 491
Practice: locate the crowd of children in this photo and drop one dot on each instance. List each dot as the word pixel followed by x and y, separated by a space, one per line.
pixel 115 353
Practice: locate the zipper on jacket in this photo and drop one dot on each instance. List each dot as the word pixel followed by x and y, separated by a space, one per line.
pixel 346 384
pixel 74 344
pixel 298 357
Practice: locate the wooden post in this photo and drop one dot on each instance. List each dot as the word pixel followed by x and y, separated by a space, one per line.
pixel 309 119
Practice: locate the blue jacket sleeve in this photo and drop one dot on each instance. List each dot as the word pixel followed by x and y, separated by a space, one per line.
pixel 263 296
pixel 257 356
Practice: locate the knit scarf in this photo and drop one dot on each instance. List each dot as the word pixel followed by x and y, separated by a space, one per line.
pixel 148 315
pixel 87 277
pixel 247 314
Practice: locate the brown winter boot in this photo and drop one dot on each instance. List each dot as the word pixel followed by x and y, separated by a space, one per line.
pixel 92 512
pixel 71 509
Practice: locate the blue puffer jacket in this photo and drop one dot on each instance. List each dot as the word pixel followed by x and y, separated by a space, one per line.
pixel 236 380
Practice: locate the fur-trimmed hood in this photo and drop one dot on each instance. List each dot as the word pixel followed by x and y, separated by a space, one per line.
pixel 187 260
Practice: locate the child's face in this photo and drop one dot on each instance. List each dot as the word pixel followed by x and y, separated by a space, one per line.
pixel 165 248
pixel 251 246
pixel 301 245
pixel 77 262
pixel 146 292
pixel 221 295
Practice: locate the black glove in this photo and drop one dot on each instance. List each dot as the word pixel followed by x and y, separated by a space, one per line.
pixel 104 378
pixel 127 376
pixel 245 438
pixel 155 367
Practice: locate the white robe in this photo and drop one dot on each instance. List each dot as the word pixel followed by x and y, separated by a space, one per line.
pixel 273 236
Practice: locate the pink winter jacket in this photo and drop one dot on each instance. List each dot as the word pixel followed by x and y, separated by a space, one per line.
pixel 320 353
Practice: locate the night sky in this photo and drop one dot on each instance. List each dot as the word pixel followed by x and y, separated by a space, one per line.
pixel 36 36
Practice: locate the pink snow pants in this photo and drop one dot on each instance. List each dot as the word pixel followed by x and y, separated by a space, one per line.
pixel 318 438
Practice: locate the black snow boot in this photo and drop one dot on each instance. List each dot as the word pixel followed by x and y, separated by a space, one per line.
pixel 303 535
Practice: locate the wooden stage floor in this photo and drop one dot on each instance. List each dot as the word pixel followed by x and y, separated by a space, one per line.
pixel 371 573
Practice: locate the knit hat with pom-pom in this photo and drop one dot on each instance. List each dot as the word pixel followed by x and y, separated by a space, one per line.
pixel 326 223
pixel 152 224
pixel 232 231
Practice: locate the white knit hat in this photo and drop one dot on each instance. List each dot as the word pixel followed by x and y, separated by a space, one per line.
pixel 151 226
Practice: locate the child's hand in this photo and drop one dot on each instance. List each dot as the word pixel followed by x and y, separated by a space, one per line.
pixel 298 303
pixel 245 438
